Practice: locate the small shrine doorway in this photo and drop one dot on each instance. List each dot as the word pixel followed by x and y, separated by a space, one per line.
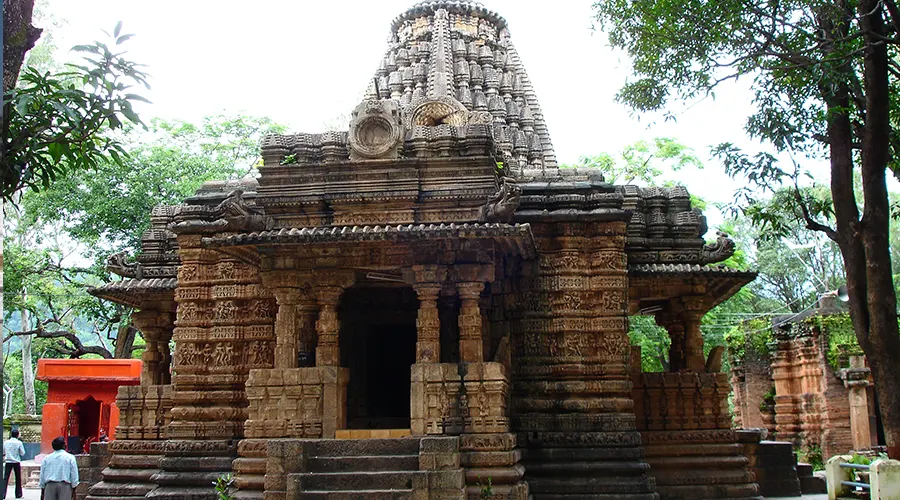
pixel 378 345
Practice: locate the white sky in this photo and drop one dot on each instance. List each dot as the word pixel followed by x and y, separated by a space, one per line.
pixel 307 63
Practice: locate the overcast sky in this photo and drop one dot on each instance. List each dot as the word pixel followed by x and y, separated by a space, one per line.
pixel 307 63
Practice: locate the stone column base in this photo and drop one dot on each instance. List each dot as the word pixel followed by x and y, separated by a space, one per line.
pixel 698 464
pixel 128 475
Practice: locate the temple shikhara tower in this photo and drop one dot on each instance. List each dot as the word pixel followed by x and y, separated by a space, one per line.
pixel 425 306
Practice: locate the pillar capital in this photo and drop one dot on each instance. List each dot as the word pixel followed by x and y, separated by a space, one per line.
pixel 429 273
pixel 427 291
pixel 285 296
pixel 470 290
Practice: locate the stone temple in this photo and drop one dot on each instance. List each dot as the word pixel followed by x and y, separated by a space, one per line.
pixel 425 306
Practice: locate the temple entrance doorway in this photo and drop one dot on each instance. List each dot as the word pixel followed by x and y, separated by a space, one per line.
pixel 378 345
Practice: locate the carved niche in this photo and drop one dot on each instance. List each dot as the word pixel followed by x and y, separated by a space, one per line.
pixel 376 130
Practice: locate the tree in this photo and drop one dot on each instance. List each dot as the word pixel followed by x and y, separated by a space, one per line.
pixel 19 36
pixel 65 121
pixel 63 234
pixel 825 80
pixel 643 161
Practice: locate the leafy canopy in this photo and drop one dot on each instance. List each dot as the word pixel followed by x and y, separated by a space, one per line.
pixel 66 121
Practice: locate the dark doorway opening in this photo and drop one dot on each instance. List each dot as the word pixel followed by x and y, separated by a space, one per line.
pixel 84 423
pixel 378 345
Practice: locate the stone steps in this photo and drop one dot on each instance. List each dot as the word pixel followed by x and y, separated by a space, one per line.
pixel 359 480
pixel 810 484
pixel 373 463
pixel 362 469
pixel 358 447
pixel 358 495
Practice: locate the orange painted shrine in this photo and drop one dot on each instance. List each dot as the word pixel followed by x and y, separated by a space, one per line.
pixel 81 397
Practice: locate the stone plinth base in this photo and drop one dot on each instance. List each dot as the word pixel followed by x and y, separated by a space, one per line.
pixel 132 464
pixel 189 469
pixel 250 468
pixel 449 398
pixel 581 465
pixel 144 414
pixel 698 464
pixel 492 464
pixel 772 463
pixel 297 402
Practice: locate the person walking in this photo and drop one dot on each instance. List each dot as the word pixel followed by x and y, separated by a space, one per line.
pixel 14 451
pixel 59 473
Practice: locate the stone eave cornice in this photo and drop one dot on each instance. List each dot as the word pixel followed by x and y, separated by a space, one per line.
pixel 689 269
pixel 372 233
pixel 718 283
pixel 133 292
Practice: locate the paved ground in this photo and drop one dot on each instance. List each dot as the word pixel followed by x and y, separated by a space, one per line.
pixel 29 494
pixel 36 495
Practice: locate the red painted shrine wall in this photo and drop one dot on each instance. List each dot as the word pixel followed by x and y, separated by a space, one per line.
pixel 81 396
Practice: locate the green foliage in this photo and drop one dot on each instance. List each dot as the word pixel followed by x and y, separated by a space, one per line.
pixel 487 489
pixel 754 334
pixel 682 50
pixel 653 340
pixel 813 456
pixel 842 342
pixel 64 122
pixel 94 213
pixel 223 486
pixel 642 162
pixel 107 209
pixel 289 159
pixel 12 375
pixel 768 401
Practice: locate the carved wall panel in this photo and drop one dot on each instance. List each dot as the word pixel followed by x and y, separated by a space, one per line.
pixel 296 402
pixel 444 402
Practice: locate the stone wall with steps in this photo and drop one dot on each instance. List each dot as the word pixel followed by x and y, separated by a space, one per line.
pixel 371 469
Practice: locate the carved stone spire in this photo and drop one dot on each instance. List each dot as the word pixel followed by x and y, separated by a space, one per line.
pixel 473 72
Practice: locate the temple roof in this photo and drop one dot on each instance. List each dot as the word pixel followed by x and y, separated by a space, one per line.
pixel 450 84
pixel 448 56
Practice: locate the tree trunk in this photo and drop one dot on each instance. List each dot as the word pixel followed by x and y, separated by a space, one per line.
pixel 881 340
pixel 125 342
pixel 27 372
pixel 19 36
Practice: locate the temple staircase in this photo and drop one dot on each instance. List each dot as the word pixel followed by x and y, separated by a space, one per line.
pixel 370 469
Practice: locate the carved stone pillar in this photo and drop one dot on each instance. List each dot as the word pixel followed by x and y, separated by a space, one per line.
pixel 693 337
pixel 307 314
pixel 471 344
pixel 428 282
pixel 286 327
pixel 156 327
pixel 856 379
pixel 327 327
pixel 428 324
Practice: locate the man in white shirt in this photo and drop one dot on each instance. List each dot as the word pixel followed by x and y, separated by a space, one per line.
pixel 59 473
pixel 14 451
